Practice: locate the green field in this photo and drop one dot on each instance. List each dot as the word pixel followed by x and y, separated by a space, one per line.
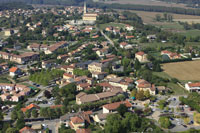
pixel 103 26
pixel 174 26
pixel 191 33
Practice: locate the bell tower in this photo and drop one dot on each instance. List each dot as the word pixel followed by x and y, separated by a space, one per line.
pixel 85 7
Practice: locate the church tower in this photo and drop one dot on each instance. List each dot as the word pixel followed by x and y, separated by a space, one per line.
pixel 85 7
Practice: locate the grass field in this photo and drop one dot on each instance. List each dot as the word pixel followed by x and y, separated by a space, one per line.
pixel 103 26
pixel 188 70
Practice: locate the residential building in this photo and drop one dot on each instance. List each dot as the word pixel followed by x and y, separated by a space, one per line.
pixel 112 107
pixel 95 67
pixel 141 56
pixel 192 86
pixel 14 71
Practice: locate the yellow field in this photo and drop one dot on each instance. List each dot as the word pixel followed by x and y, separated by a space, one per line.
pixel 188 70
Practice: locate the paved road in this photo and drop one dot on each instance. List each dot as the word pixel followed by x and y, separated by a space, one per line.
pixel 111 42
pixel 53 125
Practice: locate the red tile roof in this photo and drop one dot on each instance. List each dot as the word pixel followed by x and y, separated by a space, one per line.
pixel 83 131
pixel 140 53
pixel 76 120
pixel 194 84
pixel 29 107
pixel 114 106
pixel 13 69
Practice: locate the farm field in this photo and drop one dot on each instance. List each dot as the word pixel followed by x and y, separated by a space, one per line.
pixel 148 17
pixel 146 2
pixel 188 70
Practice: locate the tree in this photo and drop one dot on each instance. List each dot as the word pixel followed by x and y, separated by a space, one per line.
pixel 122 109
pixel 147 94
pixel 14 115
pixel 11 130
pixel 34 113
pixel 164 122
pixel 197 117
pixel 47 94
pixel 113 124
pixel 137 65
pixel 158 17
pixel 1 116
pixel 28 114
pixel 140 95
pixel 20 123
pixel 133 93
pixel 186 120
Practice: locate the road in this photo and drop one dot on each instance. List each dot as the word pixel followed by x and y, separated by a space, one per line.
pixel 53 125
pixel 110 41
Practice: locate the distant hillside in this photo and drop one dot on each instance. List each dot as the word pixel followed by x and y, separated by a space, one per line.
pixel 14 5
pixel 56 2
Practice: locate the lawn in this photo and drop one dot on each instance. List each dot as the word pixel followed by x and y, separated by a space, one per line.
pixel 177 90
pixel 103 26
pixel 188 70
pixel 4 80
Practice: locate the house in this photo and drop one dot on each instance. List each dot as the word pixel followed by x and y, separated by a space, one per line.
pixel 14 71
pixel 171 55
pixel 5 97
pixel 68 69
pixel 83 130
pixel 99 75
pixel 48 64
pixel 141 56
pixel 8 32
pixel 123 44
pixel 143 85
pixel 109 108
pixel 192 86
pixel 82 97
pixel 27 129
pixel 16 97
pixel 151 37
pixel 129 28
pixel 79 121
pixel 83 86
pixel 30 107
pixel 101 118
pixel 95 67
pixel 55 47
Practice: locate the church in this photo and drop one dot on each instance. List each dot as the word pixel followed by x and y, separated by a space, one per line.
pixel 89 16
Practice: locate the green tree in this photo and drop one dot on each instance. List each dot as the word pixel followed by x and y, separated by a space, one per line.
pixel 20 123
pixel 11 130
pixel 137 65
pixel 34 113
pixel 113 124
pixel 147 94
pixel 133 93
pixel 14 115
pixel 164 122
pixel 122 109
pixel 158 17
pixel 28 114
pixel 140 95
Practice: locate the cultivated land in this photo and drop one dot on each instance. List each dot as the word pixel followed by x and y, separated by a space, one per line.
pixel 146 2
pixel 148 17
pixel 188 70
pixel 175 27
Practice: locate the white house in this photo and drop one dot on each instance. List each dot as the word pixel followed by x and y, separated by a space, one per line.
pixel 193 86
